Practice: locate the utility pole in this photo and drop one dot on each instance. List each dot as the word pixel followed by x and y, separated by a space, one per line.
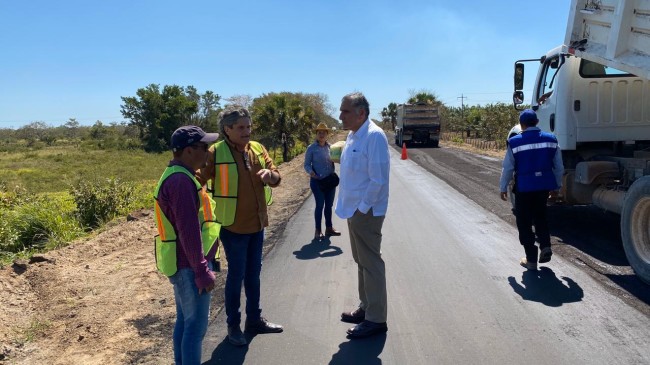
pixel 462 110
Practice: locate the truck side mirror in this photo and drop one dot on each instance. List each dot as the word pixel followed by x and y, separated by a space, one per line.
pixel 519 76
pixel 518 97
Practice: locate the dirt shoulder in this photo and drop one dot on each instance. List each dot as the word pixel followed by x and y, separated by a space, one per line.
pixel 101 300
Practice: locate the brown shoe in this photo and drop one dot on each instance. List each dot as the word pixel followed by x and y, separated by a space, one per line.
pixel 318 236
pixel 356 316
pixel 367 328
pixel 332 232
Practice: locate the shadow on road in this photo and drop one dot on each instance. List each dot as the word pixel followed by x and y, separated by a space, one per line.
pixel 360 351
pixel 317 248
pixel 228 354
pixel 544 287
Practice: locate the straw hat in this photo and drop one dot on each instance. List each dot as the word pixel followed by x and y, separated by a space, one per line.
pixel 322 127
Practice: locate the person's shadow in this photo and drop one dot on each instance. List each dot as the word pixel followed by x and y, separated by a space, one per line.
pixel 544 287
pixel 360 351
pixel 318 248
pixel 226 353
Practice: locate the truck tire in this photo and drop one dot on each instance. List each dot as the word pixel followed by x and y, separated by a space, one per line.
pixel 435 143
pixel 635 227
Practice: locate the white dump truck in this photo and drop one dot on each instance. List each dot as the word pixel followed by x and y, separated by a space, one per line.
pixel 593 93
pixel 419 123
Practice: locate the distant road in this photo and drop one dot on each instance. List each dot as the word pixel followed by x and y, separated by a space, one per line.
pixel 456 292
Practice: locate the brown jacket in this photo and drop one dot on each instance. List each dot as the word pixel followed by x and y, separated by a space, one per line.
pixel 251 215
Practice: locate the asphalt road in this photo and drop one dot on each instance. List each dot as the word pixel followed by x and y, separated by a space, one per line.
pixel 456 292
pixel 587 236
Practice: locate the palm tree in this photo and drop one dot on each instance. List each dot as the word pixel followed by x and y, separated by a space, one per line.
pixel 424 97
pixel 389 114
pixel 284 118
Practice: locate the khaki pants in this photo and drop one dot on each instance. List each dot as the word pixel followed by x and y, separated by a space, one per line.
pixel 365 241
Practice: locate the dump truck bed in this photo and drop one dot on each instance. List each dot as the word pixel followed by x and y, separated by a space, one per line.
pixel 614 33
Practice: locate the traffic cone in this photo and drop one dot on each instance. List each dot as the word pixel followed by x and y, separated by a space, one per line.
pixel 404 154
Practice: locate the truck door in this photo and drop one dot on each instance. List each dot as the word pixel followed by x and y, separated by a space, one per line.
pixel 613 105
pixel 545 94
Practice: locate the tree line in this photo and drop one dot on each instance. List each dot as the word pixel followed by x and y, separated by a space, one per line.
pixel 280 120
pixel 153 113
pixel 39 134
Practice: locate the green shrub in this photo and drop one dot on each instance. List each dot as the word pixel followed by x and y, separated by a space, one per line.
pixel 298 148
pixel 38 223
pixel 10 198
pixel 142 196
pixel 100 200
pixel 294 150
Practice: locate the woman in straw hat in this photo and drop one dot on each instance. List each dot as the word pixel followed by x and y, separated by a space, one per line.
pixel 319 165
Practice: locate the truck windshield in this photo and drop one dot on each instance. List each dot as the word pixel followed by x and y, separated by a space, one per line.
pixel 589 69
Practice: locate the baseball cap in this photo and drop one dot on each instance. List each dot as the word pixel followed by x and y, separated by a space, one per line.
pixel 528 117
pixel 190 134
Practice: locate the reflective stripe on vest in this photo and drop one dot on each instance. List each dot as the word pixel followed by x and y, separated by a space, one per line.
pixel 226 181
pixel 259 152
pixel 535 146
pixel 166 240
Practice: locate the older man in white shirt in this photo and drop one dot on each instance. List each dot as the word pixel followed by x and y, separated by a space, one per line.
pixel 363 201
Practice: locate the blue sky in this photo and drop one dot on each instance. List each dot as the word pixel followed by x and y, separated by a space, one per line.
pixel 75 59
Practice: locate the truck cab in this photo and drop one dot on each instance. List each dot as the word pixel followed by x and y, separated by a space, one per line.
pixel 593 93
pixel 591 108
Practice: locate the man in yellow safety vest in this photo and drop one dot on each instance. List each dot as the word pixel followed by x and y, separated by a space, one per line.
pixel 186 242
pixel 242 174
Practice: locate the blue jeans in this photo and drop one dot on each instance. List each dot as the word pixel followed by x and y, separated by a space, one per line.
pixel 192 311
pixel 244 255
pixel 324 202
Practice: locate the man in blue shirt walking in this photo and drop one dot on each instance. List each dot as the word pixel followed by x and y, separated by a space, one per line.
pixel 535 160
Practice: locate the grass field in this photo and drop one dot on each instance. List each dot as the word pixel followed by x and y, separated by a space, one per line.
pixel 54 169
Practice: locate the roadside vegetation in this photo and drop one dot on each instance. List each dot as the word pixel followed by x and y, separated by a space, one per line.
pixel 60 193
pixel 61 183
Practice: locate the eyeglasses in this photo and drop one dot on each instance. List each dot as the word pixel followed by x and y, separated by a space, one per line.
pixel 247 161
pixel 203 146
